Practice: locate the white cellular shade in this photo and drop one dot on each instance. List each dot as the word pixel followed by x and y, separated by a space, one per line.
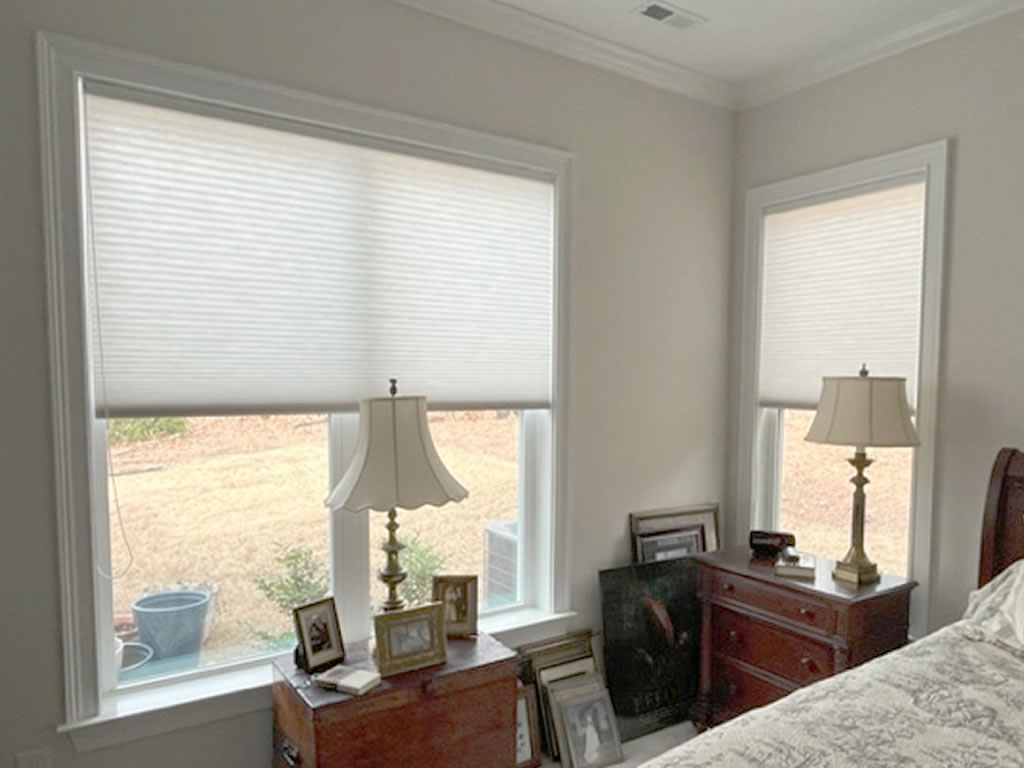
pixel 841 287
pixel 242 268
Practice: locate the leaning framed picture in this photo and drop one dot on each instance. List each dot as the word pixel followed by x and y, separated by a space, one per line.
pixel 410 639
pixel 527 728
pixel 676 519
pixel 591 731
pixel 667 545
pixel 458 596
pixel 319 633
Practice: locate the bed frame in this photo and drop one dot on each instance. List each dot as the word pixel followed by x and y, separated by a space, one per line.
pixel 1002 531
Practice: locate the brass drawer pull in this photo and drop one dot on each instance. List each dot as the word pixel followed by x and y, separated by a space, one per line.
pixel 728 587
pixel 290 753
pixel 734 636
pixel 808 663
pixel 807 613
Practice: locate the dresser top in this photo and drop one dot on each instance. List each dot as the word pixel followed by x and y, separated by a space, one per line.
pixel 463 655
pixel 737 560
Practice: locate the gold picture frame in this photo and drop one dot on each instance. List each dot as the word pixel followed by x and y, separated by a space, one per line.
pixel 410 639
pixel 458 595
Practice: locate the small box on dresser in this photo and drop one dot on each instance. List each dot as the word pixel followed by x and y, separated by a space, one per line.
pixel 456 715
pixel 763 635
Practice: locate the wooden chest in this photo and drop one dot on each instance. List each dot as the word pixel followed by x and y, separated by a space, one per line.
pixel 763 635
pixel 455 715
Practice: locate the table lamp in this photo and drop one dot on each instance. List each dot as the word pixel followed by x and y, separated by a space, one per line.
pixel 395 465
pixel 862 411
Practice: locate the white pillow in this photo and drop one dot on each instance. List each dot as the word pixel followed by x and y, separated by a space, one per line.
pixel 998 607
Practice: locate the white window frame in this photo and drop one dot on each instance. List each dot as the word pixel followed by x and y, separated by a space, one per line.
pixel 96 718
pixel 757 454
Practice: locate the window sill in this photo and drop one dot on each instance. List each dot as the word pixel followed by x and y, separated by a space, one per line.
pixel 141 713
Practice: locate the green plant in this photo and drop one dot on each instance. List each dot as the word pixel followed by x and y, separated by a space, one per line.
pixel 421 562
pixel 133 430
pixel 303 581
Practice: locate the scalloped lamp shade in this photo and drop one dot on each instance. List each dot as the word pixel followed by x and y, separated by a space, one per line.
pixel 396 464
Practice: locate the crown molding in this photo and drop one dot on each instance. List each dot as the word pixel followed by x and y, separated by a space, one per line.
pixel 515 24
pixel 816 70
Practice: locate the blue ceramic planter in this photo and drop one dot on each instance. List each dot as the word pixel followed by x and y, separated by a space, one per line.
pixel 171 622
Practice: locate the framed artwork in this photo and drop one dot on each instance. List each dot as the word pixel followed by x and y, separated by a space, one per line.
pixel 410 639
pixel 651 547
pixel 316 625
pixel 676 519
pixel 591 731
pixel 557 691
pixel 651 619
pixel 458 595
pixel 571 670
pixel 527 728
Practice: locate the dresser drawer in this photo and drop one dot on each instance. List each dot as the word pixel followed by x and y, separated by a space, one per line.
pixel 791 605
pixel 759 644
pixel 736 690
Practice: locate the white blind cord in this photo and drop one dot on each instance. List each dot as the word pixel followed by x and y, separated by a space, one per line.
pixel 112 480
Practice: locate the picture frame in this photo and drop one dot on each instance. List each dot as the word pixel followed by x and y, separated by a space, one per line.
pixel 676 519
pixel 667 545
pixel 557 692
pixel 527 728
pixel 410 639
pixel 592 732
pixel 458 595
pixel 319 635
pixel 574 671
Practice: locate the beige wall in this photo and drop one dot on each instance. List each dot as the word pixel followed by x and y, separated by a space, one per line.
pixel 967 88
pixel 648 303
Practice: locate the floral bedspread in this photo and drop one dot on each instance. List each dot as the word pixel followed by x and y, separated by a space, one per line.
pixel 954 698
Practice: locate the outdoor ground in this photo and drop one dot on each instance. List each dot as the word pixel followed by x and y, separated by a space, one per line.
pixel 218 505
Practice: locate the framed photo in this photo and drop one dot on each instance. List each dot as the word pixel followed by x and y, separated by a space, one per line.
pixel 557 692
pixel 319 633
pixel 651 547
pixel 572 670
pixel 527 728
pixel 410 639
pixel 676 519
pixel 592 733
pixel 458 596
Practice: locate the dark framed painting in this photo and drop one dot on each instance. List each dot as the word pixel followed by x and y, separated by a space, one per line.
pixel 651 623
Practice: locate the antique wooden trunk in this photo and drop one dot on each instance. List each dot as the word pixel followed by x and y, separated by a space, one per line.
pixel 461 713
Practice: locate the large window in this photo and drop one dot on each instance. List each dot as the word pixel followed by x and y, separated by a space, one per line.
pixel 843 268
pixel 244 266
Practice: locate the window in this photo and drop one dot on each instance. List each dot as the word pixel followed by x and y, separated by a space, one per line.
pixel 842 269
pixel 246 265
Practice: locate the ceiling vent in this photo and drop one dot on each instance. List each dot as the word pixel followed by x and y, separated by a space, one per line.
pixel 669 14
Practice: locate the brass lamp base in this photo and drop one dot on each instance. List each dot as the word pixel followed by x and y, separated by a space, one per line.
pixel 857 572
pixel 856 568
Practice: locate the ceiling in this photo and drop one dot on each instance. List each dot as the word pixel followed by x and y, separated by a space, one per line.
pixel 739 53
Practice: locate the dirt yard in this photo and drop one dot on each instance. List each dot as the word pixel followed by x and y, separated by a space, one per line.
pixel 218 505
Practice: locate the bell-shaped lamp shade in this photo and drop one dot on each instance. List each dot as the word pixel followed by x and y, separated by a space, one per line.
pixel 396 464
pixel 863 411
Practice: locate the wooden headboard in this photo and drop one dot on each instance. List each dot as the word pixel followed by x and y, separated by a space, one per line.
pixel 1002 531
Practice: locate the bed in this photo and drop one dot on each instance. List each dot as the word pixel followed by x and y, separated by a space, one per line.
pixel 953 698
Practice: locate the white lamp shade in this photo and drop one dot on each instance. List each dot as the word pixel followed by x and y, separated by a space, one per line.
pixel 863 411
pixel 396 464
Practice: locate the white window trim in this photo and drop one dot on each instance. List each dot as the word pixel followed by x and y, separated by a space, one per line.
pixel 64 65
pixel 754 462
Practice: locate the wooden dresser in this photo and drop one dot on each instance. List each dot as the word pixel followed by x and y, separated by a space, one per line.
pixel 456 715
pixel 763 635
